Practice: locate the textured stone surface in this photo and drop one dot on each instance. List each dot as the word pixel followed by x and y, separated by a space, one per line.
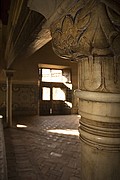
pixel 35 153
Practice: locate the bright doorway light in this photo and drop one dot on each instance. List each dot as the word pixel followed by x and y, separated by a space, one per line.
pixel 58 94
pixel 46 93
pixel 69 85
pixel 69 104
pixel 55 75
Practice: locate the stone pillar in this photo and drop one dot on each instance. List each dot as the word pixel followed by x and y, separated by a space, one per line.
pixel 9 75
pixel 90 34
pixel 99 107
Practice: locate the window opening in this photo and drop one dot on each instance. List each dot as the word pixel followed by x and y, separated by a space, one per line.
pixel 55 75
pixel 46 93
pixel 58 94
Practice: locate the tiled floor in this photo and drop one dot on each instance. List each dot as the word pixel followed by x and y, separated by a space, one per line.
pixel 45 148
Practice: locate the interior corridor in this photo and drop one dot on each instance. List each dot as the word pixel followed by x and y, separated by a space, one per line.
pixel 43 148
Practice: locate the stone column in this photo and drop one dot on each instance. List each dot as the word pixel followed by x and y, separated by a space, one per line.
pixel 90 34
pixel 99 108
pixel 9 75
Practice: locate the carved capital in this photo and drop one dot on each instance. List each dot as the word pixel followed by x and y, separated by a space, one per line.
pixel 99 74
pixel 92 27
pixel 9 73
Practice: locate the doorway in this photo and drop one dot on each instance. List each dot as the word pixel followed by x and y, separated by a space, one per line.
pixel 55 91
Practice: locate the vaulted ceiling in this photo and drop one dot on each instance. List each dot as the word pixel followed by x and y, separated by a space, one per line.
pixel 24 31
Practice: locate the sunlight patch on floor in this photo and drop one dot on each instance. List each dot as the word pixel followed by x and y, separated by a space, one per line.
pixel 1 116
pixel 65 131
pixel 21 126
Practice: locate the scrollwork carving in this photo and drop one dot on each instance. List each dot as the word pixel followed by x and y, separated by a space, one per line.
pixel 90 28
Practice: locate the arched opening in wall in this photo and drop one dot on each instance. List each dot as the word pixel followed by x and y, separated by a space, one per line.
pixel 55 90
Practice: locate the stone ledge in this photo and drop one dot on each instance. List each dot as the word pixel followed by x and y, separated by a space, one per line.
pixel 98 96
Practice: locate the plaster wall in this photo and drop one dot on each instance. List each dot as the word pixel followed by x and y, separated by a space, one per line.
pixel 26 69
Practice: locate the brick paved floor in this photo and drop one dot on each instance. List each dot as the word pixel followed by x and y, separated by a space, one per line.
pixel 42 150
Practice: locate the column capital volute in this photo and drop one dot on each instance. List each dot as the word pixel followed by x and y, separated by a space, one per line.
pixel 90 28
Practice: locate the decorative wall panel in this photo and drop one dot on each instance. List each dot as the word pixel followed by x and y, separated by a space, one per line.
pixel 25 99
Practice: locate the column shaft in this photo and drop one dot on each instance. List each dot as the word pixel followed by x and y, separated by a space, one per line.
pixel 99 107
pixel 9 74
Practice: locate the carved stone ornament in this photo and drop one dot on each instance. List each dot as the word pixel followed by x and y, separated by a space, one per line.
pixel 92 27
